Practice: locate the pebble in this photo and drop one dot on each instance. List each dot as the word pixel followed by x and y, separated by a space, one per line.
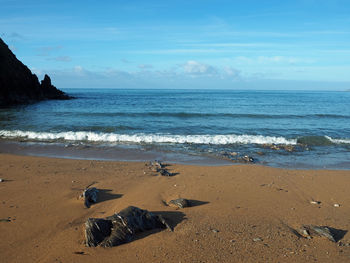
pixel 215 230
pixel 342 244
pixel 336 205
pixel 1 180
pixel 257 239
pixel 315 202
pixel 79 252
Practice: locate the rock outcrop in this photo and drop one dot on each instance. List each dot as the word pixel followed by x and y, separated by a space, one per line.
pixel 121 227
pixel 18 85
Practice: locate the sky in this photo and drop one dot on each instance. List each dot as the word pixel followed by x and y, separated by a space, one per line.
pixel 199 44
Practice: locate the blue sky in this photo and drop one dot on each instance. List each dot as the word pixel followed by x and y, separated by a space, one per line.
pixel 251 44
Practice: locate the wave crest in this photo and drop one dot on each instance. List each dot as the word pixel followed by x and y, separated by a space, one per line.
pixel 145 138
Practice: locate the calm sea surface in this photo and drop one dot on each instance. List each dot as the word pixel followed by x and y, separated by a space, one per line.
pixel 214 123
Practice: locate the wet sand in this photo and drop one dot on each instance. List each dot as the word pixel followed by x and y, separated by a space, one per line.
pixel 240 213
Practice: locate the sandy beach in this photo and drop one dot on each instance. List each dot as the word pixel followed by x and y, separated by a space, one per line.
pixel 239 213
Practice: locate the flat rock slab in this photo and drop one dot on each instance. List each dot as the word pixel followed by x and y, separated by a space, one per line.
pixel 121 227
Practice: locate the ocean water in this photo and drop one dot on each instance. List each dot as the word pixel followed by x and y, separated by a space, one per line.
pixel 296 129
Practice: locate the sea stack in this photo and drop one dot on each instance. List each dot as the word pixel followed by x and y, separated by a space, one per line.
pixel 18 85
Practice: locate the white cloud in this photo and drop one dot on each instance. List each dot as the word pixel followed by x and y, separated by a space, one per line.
pixel 225 77
pixel 230 44
pixel 232 72
pixel 36 71
pixel 80 71
pixel 265 60
pixel 145 66
pixel 195 68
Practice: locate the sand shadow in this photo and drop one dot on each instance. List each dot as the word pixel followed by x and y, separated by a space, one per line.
pixel 105 195
pixel 171 174
pixel 165 172
pixel 173 218
pixel 164 165
pixel 193 203
pixel 337 234
pixel 6 180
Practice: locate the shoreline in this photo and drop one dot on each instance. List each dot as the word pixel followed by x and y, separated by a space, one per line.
pixel 144 153
pixel 243 213
pixel 120 153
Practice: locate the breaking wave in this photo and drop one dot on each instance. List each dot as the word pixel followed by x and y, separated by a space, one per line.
pixel 144 138
pixel 86 136
pixel 321 141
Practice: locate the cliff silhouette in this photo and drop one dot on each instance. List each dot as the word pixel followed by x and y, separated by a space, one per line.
pixel 18 85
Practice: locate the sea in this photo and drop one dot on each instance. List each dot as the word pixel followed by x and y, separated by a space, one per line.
pixel 288 129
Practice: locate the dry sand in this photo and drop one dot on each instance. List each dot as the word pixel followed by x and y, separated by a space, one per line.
pixel 234 205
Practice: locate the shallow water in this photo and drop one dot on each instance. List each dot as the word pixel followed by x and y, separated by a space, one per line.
pixel 206 123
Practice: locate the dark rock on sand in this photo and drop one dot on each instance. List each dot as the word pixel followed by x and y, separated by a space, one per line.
pixel 18 85
pixel 310 231
pixel 90 196
pixel 180 203
pixel 159 167
pixel 165 172
pixel 121 227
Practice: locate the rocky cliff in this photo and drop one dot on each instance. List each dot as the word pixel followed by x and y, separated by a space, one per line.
pixel 18 85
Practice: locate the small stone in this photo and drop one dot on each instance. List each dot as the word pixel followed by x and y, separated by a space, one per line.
pixel 248 159
pixel 310 231
pixel 79 252
pixel 336 205
pixel 90 195
pixel 215 231
pixel 2 180
pixel 257 239
pixel 305 233
pixel 180 203
pixel 315 202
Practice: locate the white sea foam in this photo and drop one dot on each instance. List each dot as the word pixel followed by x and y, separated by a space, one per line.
pixel 338 141
pixel 145 138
